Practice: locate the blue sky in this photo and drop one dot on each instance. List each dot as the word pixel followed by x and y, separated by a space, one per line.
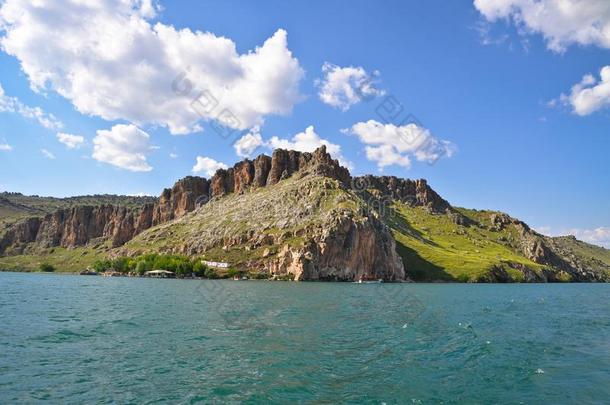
pixel 482 82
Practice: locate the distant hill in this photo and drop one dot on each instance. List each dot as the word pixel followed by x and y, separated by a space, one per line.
pixel 298 216
pixel 15 206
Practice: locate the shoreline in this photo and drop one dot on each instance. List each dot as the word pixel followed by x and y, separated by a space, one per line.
pixel 70 273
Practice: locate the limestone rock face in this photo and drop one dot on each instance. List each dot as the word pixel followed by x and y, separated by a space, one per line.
pixel 222 182
pixel 20 233
pixel 412 192
pixel 180 199
pixel 346 250
pixel 285 163
pixel 243 176
pixel 79 225
pixel 262 166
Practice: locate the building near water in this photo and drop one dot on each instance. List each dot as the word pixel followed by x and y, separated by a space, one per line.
pixel 160 274
pixel 218 265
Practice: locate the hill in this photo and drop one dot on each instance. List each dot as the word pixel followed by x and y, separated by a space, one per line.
pixel 302 216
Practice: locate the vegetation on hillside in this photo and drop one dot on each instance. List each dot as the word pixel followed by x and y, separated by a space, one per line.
pixel 434 247
pixel 245 229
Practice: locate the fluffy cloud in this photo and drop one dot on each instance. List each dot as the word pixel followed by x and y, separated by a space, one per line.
pixel 47 154
pixel 123 146
pixel 343 87
pixel 208 166
pixel 13 105
pixel 173 155
pixel 561 22
pixel 247 144
pixel 110 60
pixel 5 147
pixel 590 94
pixel 71 141
pixel 308 141
pixel 388 144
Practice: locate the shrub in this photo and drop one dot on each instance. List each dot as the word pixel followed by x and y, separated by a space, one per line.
pixel 199 269
pixel 101 265
pixel 233 272
pixel 46 267
pixel 121 264
pixel 143 266
pixel 184 267
pixel 210 273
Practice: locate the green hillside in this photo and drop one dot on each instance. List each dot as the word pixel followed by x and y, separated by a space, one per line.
pixel 434 247
pixel 307 216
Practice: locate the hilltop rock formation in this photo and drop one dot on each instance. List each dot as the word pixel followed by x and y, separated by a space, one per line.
pixel 300 215
pixel 412 192
pixel 180 199
pixel 79 225
pixel 265 170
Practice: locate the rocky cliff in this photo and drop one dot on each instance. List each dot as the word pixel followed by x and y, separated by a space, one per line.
pixel 77 226
pixel 302 216
pixel 306 227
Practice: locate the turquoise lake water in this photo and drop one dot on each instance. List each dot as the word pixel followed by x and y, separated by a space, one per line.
pixel 78 339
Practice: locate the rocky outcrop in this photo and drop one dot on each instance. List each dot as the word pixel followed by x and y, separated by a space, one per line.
pixel 180 199
pixel 348 249
pixel 267 171
pixel 262 167
pixel 412 192
pixel 285 163
pixel 322 224
pixel 79 225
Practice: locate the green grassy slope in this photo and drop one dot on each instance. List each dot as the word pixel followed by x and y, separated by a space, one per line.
pixel 64 260
pixel 433 247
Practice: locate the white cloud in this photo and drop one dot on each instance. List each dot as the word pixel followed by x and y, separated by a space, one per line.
pixel 386 155
pixel 123 146
pixel 308 141
pixel 247 144
pixel 208 165
pixel 47 154
pixel 343 87
pixel 71 141
pixel 589 95
pixel 173 155
pixel 110 60
pixel 388 144
pixel 561 22
pixel 598 236
pixel 5 147
pixel 14 105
